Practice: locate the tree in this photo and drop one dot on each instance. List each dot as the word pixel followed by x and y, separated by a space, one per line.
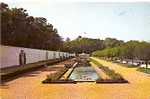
pixel 85 45
pixel 112 42
pixel 20 29
pixel 129 50
pixel 142 52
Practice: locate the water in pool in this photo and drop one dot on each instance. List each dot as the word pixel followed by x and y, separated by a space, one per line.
pixel 86 73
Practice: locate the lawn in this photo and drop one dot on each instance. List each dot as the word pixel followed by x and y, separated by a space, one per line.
pixel 144 70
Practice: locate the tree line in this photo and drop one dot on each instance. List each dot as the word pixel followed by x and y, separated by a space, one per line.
pixel 83 45
pixel 129 50
pixel 88 45
pixel 20 29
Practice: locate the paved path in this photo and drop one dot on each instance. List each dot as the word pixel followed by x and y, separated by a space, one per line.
pixel 29 86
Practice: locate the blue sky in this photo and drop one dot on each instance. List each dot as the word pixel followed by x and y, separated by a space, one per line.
pixel 125 21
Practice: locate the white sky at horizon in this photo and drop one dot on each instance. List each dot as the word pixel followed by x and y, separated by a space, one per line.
pixel 124 21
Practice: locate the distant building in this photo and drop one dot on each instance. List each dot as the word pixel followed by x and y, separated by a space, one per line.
pixel 84 55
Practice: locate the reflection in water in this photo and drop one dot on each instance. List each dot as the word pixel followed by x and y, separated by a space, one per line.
pixel 84 74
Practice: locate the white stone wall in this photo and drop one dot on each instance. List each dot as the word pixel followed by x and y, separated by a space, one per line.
pixel 10 55
pixel 50 54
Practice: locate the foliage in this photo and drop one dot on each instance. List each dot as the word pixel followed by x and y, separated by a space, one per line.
pixel 88 45
pixel 109 72
pixel 142 51
pixel 55 76
pixel 115 77
pixel 85 45
pixel 109 52
pixel 112 42
pixel 20 29
pixel 129 50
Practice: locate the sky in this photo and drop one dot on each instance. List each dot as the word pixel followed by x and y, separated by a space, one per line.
pixel 122 20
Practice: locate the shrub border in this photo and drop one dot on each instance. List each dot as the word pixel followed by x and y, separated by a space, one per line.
pixel 122 80
pixel 47 81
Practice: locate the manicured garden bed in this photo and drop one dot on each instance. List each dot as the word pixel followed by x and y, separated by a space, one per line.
pixel 115 77
pixel 111 81
pixel 59 82
pixel 55 77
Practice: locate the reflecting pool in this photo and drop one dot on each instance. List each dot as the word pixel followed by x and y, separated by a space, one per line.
pixel 86 73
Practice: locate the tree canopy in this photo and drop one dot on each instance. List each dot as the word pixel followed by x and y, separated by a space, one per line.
pixel 86 45
pixel 20 29
pixel 129 50
pixel 112 42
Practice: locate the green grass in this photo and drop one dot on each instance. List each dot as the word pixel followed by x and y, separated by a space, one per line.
pixel 144 70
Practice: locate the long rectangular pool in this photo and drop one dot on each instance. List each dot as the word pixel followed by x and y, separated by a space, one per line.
pixel 85 73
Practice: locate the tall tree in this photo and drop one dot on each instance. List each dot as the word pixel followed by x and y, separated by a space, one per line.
pixel 85 45
pixel 142 52
pixel 20 29
pixel 112 42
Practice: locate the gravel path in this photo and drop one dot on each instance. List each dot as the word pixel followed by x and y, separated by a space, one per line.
pixel 29 86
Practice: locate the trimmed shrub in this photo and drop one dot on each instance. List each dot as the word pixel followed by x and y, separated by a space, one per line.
pixel 114 76
pixel 55 76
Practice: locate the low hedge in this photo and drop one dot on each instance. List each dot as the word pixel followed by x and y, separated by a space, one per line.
pixel 115 77
pixel 55 77
pixel 58 81
pixel 110 81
